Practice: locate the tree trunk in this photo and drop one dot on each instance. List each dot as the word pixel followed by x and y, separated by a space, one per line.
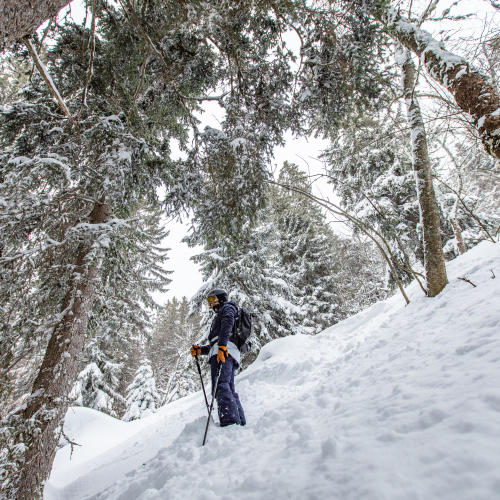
pixel 472 92
pixel 435 270
pixel 45 409
pixel 20 18
pixel 458 235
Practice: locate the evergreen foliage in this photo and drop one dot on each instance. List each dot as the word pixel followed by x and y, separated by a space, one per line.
pixel 370 168
pixel 175 330
pixel 287 269
pixel 97 384
pixel 343 53
pixel 142 397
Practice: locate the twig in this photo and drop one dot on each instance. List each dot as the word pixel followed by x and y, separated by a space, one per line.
pixel 72 443
pixel 467 281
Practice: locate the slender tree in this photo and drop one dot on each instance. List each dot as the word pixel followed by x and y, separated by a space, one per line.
pixel 435 270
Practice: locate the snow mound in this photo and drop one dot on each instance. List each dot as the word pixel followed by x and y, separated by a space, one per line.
pixel 394 403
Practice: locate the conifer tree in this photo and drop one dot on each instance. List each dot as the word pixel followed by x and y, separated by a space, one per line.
pixel 305 253
pixel 369 165
pixel 287 268
pixel 175 330
pixel 142 397
pixel 72 193
pixel 97 384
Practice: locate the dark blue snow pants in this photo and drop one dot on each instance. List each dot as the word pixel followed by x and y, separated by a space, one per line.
pixel 228 402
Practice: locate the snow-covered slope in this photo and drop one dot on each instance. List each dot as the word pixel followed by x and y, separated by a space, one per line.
pixel 394 403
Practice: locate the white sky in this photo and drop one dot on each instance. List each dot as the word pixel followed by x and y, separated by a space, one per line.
pixel 186 278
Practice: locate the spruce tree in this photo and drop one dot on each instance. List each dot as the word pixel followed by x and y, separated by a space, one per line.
pixel 287 268
pixel 175 330
pixel 305 253
pixel 97 384
pixel 142 397
pixel 71 226
pixel 369 166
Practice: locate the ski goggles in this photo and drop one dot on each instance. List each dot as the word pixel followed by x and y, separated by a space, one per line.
pixel 211 299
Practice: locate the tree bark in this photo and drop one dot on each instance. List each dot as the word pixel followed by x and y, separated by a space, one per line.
pixel 20 18
pixel 45 409
pixel 470 89
pixel 458 235
pixel 435 270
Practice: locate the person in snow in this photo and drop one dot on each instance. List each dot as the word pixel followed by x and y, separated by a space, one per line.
pixel 224 353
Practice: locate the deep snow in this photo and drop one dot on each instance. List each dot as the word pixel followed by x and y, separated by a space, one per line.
pixel 394 403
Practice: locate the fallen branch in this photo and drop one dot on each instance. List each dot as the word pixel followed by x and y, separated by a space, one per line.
pixel 467 281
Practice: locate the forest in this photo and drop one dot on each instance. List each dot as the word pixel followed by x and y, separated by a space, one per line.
pixel 103 142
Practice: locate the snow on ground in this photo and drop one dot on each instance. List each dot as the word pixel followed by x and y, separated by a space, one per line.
pixel 394 403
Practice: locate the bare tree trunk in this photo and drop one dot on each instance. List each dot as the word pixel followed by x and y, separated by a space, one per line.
pixel 20 18
pixel 435 270
pixel 45 409
pixel 472 92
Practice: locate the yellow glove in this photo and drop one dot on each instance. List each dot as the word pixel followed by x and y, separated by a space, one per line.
pixel 195 350
pixel 222 354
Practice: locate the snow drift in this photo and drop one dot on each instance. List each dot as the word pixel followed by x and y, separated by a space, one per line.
pixel 394 403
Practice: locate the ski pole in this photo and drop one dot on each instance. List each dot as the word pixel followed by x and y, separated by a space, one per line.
pixel 202 384
pixel 212 405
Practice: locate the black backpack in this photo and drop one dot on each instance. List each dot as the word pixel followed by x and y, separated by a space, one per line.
pixel 242 331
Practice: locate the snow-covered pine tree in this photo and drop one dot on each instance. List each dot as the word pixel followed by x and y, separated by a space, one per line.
pixel 343 70
pixel 70 199
pixel 305 253
pixel 132 271
pixel 142 397
pixel 245 267
pixel 369 165
pixel 175 330
pixel 97 384
pixel 287 268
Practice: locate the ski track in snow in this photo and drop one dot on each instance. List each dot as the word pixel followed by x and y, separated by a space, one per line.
pixel 393 403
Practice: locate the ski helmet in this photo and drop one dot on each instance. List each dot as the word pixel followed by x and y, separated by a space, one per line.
pixel 219 293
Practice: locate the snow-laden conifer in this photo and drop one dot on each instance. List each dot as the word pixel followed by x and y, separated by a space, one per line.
pixel 175 330
pixel 97 384
pixel 287 268
pixel 142 397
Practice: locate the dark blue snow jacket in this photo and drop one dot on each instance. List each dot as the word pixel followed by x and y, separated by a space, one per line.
pixel 222 328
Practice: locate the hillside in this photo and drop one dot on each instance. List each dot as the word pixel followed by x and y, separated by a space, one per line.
pixel 393 403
